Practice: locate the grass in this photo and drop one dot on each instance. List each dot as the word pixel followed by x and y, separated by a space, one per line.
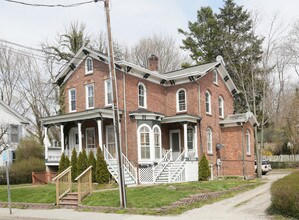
pixel 160 195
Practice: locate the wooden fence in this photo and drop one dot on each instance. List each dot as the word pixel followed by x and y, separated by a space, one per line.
pixel 43 177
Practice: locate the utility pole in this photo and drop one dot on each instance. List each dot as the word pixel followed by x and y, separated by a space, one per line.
pixel 116 121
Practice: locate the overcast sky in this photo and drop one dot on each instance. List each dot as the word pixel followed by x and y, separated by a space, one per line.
pixel 131 19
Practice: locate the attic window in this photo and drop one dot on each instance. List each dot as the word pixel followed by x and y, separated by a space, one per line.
pixel 88 66
pixel 215 76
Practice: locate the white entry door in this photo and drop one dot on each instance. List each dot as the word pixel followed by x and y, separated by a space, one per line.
pixel 175 143
pixel 73 141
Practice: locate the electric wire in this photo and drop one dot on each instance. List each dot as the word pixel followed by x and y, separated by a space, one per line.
pixel 52 5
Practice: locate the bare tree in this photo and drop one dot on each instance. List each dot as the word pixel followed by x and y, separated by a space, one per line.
pixel 170 55
pixel 3 132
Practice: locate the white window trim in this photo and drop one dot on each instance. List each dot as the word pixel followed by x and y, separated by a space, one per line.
pixel 177 100
pixel 145 96
pixel 247 142
pixel 170 139
pixel 86 61
pixel 210 106
pixel 106 94
pixel 86 96
pixel 70 98
pixel 90 129
pixel 222 107
pixel 151 159
pixel 215 76
pixel 160 141
pixel 210 151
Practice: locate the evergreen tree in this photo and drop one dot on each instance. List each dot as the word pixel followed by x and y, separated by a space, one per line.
pixel 82 162
pixel 102 173
pixel 74 162
pixel 229 34
pixel 64 163
pixel 203 169
pixel 92 162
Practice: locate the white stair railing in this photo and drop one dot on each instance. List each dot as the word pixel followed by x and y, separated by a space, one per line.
pixel 178 163
pixel 109 159
pixel 129 167
pixel 158 169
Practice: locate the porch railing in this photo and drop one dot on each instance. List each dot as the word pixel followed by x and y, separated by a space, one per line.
pixel 54 154
pixel 176 166
pixel 129 167
pixel 110 160
pixel 84 183
pixel 158 169
pixel 63 184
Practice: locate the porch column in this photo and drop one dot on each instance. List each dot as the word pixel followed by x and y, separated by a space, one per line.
pixel 62 138
pixel 185 140
pixel 195 142
pixel 47 142
pixel 100 133
pixel 80 136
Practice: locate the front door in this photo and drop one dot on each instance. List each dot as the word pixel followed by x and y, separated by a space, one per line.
pixel 73 141
pixel 175 143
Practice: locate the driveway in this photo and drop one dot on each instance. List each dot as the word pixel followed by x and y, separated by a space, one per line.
pixel 248 205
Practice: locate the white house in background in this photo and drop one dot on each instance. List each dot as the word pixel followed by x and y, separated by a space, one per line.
pixel 12 126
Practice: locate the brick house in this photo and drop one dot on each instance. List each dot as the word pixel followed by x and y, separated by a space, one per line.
pixel 168 120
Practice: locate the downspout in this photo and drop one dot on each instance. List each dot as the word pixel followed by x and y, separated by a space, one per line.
pixel 243 152
pixel 125 111
pixel 199 114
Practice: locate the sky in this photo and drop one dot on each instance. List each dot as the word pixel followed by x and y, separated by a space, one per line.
pixel 130 19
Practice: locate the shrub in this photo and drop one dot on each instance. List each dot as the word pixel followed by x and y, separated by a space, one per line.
pixel 203 169
pixel 92 162
pixel 102 173
pixel 285 196
pixel 21 171
pixel 284 165
pixel 29 148
pixel 82 162
pixel 74 161
pixel 64 163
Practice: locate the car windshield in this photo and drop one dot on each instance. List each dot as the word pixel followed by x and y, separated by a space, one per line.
pixel 264 162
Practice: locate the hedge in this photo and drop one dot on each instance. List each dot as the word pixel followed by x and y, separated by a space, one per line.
pixel 285 196
pixel 284 165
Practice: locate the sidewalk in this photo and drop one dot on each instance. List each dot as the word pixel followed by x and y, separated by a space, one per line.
pixel 70 214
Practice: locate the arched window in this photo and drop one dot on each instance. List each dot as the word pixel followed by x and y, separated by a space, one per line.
pixel 248 142
pixel 181 100
pixel 88 66
pixel 190 138
pixel 221 107
pixel 215 76
pixel 157 142
pixel 144 142
pixel 141 96
pixel 209 141
pixel 208 103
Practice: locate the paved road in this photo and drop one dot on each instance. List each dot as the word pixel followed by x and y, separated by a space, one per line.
pixel 248 205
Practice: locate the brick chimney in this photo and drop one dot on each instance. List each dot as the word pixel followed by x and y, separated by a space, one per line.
pixel 153 63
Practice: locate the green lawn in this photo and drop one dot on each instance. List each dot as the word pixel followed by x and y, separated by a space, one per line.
pixel 160 195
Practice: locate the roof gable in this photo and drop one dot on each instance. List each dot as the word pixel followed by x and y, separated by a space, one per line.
pixel 7 109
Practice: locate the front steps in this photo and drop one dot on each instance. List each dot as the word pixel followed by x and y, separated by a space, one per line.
pixel 113 169
pixel 70 200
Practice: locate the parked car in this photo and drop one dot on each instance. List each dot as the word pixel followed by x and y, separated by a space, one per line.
pixel 266 166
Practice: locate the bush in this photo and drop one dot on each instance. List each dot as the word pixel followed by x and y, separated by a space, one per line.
pixel 74 162
pixel 92 162
pixel 21 171
pixel 82 162
pixel 102 173
pixel 203 169
pixel 284 165
pixel 29 148
pixel 64 163
pixel 285 196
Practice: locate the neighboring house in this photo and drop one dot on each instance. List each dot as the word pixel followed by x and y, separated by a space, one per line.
pixel 168 121
pixel 12 130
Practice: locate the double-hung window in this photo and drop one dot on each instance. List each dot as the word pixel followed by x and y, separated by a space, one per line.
pixel 141 96
pixel 145 142
pixel 88 66
pixel 221 107
pixel 215 76
pixel 208 102
pixel 247 142
pixel 209 141
pixel 108 92
pixel 89 96
pixel 90 138
pixel 14 133
pixel 181 100
pixel 72 100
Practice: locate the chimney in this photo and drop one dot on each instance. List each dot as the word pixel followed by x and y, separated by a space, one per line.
pixel 153 63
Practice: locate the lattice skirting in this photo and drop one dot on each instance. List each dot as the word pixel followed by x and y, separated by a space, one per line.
pixel 146 174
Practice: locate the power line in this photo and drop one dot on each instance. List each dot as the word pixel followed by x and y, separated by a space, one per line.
pixel 52 5
pixel 19 45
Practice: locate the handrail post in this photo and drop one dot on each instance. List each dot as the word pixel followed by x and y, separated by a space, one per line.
pixel 57 192
pixel 90 181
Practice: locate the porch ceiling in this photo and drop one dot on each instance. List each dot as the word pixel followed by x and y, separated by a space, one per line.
pixel 77 116
pixel 180 118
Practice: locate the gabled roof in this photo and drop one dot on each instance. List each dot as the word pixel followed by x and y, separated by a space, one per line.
pixel 167 79
pixel 10 110
pixel 239 119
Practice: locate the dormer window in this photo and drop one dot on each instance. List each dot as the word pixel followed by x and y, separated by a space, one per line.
pixel 141 96
pixel 215 76
pixel 88 66
pixel 181 100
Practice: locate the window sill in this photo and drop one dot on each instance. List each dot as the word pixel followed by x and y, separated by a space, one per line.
pixel 209 114
pixel 88 73
pixel 210 154
pixel 216 84
pixel 89 108
pixel 248 155
pixel 181 112
pixel 221 117
pixel 72 111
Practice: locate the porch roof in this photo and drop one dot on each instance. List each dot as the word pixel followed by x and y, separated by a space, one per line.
pixel 77 116
pixel 238 119
pixel 180 118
